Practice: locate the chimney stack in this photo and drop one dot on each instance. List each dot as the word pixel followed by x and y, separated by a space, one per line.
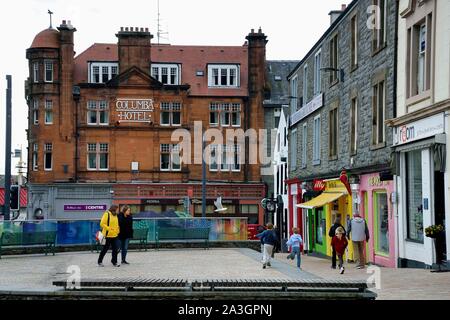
pixel 334 14
pixel 134 48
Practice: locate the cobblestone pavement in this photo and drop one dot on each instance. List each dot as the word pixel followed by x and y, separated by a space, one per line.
pixel 36 272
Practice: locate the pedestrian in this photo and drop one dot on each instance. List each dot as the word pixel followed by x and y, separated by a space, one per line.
pixel 295 242
pixel 110 229
pixel 260 229
pixel 269 239
pixel 339 244
pixel 331 234
pixel 126 231
pixel 359 235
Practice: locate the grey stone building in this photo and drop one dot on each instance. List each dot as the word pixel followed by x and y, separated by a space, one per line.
pixel 342 92
pixel 276 99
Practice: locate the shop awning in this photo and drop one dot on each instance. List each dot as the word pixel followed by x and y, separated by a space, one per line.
pixel 321 200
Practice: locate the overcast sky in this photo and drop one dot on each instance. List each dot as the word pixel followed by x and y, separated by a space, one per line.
pixel 292 27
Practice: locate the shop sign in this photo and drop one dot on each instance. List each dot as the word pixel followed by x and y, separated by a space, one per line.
pixel 319 185
pixel 375 181
pixel 85 207
pixel 134 110
pixel 306 110
pixel 420 129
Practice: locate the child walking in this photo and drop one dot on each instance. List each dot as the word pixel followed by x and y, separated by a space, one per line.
pixel 339 244
pixel 295 242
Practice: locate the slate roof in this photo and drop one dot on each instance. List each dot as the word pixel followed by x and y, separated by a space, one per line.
pixel 276 75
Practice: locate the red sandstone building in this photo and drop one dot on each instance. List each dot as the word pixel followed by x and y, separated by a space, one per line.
pixel 100 123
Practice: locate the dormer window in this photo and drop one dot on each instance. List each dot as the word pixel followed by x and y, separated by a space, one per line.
pixel 102 72
pixel 166 73
pixel 225 76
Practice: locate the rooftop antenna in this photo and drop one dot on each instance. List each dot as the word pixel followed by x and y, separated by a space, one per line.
pixel 50 14
pixel 160 32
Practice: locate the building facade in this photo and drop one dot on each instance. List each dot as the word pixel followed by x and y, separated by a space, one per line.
pixel 421 128
pixel 123 123
pixel 342 92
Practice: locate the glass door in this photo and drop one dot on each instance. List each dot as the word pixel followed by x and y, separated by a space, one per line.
pixel 381 223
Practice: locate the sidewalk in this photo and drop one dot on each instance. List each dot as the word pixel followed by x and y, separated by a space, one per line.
pixel 37 272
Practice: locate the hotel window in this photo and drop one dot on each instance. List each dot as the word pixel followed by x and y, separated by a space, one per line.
pixel 419 45
pixel 48 158
pixel 223 76
pixel 334 59
pixel 414 195
pixel 48 71
pixel 378 113
pixel 102 72
pixel 317 74
pixel 293 148
pixel 294 94
pixel 333 135
pixel 36 111
pixel 97 156
pixel 166 73
pixel 305 84
pixel 354 42
pixel 35 157
pixel 304 145
pixel 48 112
pixel 316 140
pixel 379 32
pixel 170 113
pixel 354 126
pixel 226 113
pixel 225 158
pixel 97 112
pixel 36 72
pixel 170 157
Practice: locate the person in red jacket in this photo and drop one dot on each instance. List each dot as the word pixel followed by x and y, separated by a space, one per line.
pixel 339 243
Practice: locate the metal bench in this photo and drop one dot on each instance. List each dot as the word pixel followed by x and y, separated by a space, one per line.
pixel 182 234
pixel 26 239
pixel 234 288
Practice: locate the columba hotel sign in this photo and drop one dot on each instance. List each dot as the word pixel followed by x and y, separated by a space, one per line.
pixel 134 110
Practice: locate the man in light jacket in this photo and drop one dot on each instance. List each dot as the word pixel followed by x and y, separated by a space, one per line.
pixel 359 235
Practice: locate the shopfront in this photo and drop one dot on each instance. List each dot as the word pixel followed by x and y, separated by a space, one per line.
pixel 322 211
pixel 375 205
pixel 420 152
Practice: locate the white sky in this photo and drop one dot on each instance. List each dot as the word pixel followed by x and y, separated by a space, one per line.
pixel 292 27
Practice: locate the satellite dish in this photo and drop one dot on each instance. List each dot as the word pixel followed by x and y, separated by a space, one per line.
pixel 218 204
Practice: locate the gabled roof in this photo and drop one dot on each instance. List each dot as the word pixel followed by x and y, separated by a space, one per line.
pixel 191 58
pixel 276 75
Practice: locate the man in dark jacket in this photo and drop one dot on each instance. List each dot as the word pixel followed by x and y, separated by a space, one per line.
pixel 126 231
pixel 331 234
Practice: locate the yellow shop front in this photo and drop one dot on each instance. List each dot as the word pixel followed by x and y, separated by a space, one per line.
pixel 334 200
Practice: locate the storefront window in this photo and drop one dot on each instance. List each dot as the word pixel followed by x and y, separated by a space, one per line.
pixel 382 223
pixel 414 195
pixel 320 225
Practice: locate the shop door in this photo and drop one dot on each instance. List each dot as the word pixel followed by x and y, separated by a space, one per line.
pixel 439 214
pixel 381 224
pixel 320 231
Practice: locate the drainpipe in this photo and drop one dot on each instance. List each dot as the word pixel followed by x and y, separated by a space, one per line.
pixel 76 97
pixel 394 111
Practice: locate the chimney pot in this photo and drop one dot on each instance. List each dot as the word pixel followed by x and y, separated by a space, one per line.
pixel 126 28
pixel 121 28
pixel 259 30
pixel 142 29
pixel 64 22
pixel 137 29
pixel 343 6
pixel 253 31
pixel 131 28
pixel 146 29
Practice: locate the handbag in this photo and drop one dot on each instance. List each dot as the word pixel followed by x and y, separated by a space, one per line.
pixel 101 239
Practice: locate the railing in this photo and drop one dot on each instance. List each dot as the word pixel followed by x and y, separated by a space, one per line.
pixel 82 232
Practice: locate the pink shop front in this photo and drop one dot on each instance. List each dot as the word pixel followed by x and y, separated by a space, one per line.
pixel 375 204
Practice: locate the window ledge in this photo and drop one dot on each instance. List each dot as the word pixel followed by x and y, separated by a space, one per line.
pixel 335 82
pixel 418 98
pixel 316 162
pixel 378 146
pixel 354 68
pixel 353 153
pixel 376 51
pixel 414 241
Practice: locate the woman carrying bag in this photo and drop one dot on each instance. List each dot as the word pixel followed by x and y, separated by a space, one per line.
pixel 110 229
